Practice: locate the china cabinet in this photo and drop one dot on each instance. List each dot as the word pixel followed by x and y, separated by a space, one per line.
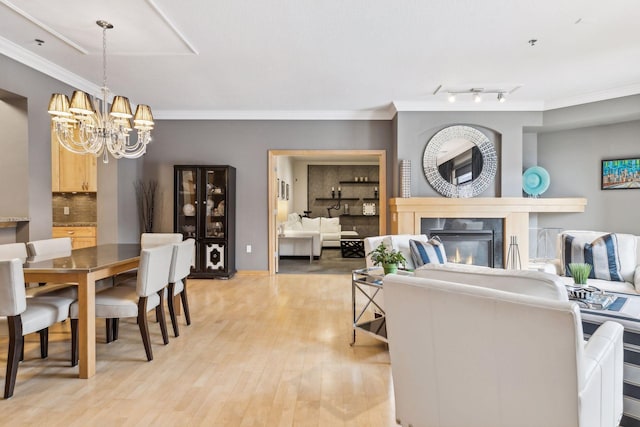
pixel 204 209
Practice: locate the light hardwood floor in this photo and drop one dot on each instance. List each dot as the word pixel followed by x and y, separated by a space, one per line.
pixel 261 351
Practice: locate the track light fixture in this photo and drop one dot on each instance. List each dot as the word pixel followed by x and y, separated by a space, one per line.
pixel 501 97
pixel 477 98
pixel 451 97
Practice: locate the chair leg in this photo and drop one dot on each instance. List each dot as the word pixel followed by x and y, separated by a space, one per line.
pixel 16 341
pixel 172 311
pixel 74 342
pixel 116 327
pixel 22 351
pixel 185 302
pixel 44 343
pixel 108 326
pixel 161 318
pixel 144 327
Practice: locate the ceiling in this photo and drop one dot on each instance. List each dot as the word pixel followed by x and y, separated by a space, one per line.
pixel 332 58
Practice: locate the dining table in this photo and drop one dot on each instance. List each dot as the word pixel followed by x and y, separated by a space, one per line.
pixel 83 267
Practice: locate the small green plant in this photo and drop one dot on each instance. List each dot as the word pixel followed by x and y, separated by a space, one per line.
pixel 580 272
pixel 387 258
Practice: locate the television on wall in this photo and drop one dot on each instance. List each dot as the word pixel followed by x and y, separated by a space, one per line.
pixel 620 174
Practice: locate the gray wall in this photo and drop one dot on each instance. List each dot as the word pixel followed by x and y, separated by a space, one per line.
pixel 244 145
pixel 37 89
pixel 572 158
pixel 504 129
pixel 14 173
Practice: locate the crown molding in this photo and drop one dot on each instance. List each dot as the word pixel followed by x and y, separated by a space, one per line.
pixel 510 105
pixel 38 63
pixel 602 95
pixel 383 114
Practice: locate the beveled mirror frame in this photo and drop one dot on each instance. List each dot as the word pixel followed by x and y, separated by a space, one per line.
pixel 489 162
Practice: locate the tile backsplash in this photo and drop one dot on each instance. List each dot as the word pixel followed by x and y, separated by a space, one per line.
pixel 82 207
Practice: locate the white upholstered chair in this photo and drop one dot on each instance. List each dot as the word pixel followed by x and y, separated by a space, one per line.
pixel 22 316
pixel 149 240
pixel 124 301
pixel 468 355
pixel 57 247
pixel 180 268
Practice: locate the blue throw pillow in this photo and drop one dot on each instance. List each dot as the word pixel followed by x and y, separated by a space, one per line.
pixel 601 254
pixel 430 252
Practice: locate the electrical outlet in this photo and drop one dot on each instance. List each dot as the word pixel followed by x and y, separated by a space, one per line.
pixel 66 210
pixel 248 249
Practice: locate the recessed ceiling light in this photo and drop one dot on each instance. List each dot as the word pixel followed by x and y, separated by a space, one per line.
pixel 533 42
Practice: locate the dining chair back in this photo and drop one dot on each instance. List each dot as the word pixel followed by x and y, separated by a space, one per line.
pixel 150 240
pixel 49 248
pixel 153 271
pixel 181 263
pixel 22 316
pixel 13 250
pixel 59 245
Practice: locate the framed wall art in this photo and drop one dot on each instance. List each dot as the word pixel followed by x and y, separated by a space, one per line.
pixel 620 174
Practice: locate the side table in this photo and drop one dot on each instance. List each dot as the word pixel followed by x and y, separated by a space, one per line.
pixel 366 283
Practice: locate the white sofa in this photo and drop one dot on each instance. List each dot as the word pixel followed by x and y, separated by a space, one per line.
pixel 329 230
pixel 479 355
pixel 628 254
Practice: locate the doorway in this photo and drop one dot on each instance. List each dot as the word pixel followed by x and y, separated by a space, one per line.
pixel 323 156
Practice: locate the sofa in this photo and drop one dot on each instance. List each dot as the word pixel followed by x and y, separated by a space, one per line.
pixel 328 230
pixel 506 346
pixel 626 255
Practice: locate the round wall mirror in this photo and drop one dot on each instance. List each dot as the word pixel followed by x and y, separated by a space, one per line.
pixel 460 161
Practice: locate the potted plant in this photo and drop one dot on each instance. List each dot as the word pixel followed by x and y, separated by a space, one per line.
pixel 387 258
pixel 580 272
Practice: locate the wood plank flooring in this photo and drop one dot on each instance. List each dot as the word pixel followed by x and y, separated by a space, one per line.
pixel 261 351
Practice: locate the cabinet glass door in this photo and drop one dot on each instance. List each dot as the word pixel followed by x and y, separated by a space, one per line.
pixel 216 182
pixel 187 202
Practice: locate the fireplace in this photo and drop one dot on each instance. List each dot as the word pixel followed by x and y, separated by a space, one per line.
pixel 476 241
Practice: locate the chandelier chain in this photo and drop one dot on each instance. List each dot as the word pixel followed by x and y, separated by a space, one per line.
pixel 104 56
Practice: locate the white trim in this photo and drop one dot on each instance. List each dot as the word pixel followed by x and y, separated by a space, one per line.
pixel 271 115
pixel 38 63
pixel 468 106
pixel 618 92
pixel 45 27
pixel 171 25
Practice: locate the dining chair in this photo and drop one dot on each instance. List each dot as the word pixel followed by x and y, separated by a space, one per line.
pixel 147 240
pixel 52 248
pixel 22 316
pixel 123 301
pixel 181 262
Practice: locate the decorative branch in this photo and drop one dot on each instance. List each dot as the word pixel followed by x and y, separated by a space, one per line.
pixel 146 200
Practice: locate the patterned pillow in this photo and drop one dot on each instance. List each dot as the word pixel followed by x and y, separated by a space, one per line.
pixel 429 252
pixel 601 254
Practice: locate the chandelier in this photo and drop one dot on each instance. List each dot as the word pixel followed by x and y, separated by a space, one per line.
pixel 82 129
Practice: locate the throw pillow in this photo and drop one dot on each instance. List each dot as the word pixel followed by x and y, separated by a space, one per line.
pixel 601 254
pixel 431 251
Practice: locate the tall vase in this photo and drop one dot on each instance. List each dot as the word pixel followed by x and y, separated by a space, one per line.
pixel 513 255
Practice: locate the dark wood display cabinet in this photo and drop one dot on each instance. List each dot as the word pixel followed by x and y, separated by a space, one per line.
pixel 205 210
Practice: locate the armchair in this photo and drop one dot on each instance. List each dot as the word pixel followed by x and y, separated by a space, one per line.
pixel 467 355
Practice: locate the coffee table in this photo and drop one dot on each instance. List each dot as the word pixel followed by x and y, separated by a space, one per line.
pixel 627 313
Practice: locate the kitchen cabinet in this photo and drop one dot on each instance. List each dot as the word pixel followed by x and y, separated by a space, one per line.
pixel 81 237
pixel 70 171
pixel 205 210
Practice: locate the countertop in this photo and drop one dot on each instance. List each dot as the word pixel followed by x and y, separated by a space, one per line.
pixel 74 224
pixel 14 219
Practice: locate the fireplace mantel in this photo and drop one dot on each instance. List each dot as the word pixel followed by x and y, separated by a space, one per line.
pixel 406 213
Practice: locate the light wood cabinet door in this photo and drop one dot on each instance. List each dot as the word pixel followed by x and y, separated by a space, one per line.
pixel 71 171
pixel 81 237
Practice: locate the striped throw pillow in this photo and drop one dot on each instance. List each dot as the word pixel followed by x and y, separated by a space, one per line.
pixel 429 252
pixel 601 254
